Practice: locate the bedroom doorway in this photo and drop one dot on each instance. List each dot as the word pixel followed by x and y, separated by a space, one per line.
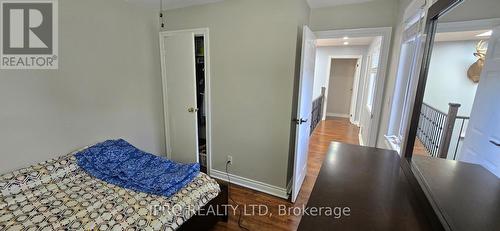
pixel 186 95
pixel 343 86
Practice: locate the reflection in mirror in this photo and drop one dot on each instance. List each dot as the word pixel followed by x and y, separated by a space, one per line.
pixel 452 125
pixel 456 155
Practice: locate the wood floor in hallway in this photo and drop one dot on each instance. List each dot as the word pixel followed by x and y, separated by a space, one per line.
pixel 419 149
pixel 334 129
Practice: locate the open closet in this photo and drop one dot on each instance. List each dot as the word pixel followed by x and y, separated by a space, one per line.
pixel 185 83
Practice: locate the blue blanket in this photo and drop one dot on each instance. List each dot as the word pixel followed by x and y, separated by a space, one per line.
pixel 118 162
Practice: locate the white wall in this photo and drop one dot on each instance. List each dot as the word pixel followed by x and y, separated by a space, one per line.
pixel 322 74
pixel 108 86
pixel 447 81
pixel 323 54
pixel 340 87
pixel 454 58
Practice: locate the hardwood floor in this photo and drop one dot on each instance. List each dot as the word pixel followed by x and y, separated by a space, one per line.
pixel 419 149
pixel 335 129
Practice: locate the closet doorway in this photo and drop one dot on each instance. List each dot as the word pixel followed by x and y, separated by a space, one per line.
pixel 186 95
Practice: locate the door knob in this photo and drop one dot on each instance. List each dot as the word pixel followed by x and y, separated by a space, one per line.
pixel 192 110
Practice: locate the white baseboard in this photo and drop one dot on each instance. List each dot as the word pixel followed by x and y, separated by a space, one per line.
pixel 252 184
pixel 289 187
pixel 337 115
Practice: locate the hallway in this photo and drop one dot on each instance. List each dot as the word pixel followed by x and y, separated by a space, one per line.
pixel 334 129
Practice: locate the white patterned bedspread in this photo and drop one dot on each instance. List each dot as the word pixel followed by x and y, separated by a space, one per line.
pixel 58 195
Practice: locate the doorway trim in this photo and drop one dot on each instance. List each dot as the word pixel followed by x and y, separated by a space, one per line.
pixel 208 99
pixel 355 83
pixel 385 33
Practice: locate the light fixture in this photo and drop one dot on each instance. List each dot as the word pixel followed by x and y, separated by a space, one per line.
pixel 346 43
pixel 346 38
pixel 485 34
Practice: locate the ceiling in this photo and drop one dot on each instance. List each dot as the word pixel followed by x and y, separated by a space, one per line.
pixel 327 3
pixel 171 4
pixel 359 41
pixel 460 36
pixel 174 4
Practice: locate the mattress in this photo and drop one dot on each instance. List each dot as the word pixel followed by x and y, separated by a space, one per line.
pixel 58 195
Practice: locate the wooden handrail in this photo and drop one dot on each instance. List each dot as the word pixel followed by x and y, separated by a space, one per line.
pixel 434 109
pixel 449 125
pixel 435 129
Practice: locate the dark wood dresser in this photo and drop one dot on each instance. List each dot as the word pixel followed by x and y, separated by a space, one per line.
pixel 372 184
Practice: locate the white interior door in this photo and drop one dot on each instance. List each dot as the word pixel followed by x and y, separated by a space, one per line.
pixel 354 92
pixel 303 119
pixel 369 94
pixel 482 140
pixel 365 116
pixel 179 95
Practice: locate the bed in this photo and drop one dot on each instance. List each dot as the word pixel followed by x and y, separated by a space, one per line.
pixel 59 195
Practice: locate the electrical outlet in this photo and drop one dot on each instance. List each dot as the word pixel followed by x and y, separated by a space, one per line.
pixel 229 159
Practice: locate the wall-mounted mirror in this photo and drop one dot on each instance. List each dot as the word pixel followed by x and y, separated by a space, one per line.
pixel 453 137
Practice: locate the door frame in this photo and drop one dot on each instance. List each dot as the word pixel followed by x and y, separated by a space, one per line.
pixel 208 99
pixel 385 33
pixel 355 84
